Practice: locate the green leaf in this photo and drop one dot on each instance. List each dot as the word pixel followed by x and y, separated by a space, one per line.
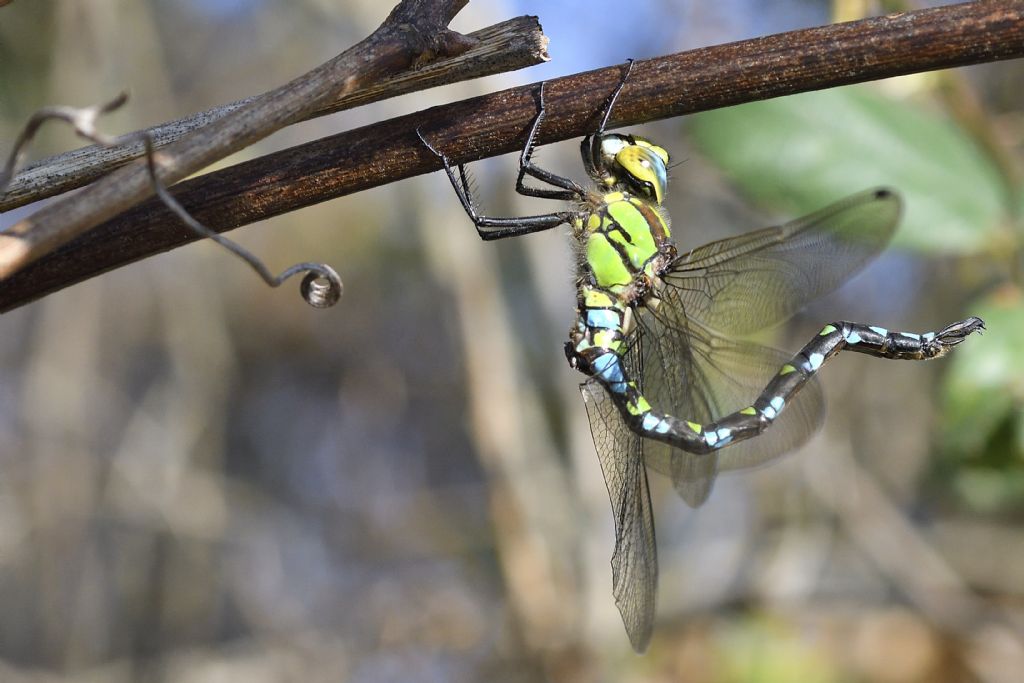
pixel 802 152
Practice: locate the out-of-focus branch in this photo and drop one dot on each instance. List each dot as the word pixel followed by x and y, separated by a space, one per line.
pixel 415 32
pixel 506 46
pixel 697 80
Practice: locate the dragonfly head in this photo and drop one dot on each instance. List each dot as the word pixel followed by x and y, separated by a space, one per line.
pixel 616 159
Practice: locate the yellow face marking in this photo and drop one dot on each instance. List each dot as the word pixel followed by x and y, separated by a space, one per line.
pixel 660 151
pixel 643 164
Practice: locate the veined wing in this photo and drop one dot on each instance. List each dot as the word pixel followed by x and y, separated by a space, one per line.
pixel 736 286
pixel 635 560
pixel 695 374
pixel 743 284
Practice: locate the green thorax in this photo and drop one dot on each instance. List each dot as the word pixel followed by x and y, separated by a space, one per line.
pixel 624 238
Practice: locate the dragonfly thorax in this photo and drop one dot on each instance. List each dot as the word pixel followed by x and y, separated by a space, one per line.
pixel 625 244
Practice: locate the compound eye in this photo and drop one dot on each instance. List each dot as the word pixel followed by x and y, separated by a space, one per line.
pixel 645 168
pixel 660 151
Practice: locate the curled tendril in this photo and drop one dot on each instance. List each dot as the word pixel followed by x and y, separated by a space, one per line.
pixel 322 286
pixel 328 286
pixel 82 119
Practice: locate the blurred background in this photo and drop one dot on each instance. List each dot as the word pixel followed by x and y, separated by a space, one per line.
pixel 205 480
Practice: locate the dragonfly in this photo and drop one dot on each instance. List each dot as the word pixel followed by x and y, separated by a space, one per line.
pixel 672 384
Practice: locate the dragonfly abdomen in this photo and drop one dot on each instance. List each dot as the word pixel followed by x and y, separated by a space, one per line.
pixel 608 369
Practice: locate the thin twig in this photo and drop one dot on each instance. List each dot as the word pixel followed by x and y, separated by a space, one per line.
pixel 687 82
pixel 414 31
pixel 505 46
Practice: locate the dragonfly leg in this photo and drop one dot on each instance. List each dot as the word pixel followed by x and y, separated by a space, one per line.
pixel 571 190
pixel 614 96
pixel 754 419
pixel 591 145
pixel 493 228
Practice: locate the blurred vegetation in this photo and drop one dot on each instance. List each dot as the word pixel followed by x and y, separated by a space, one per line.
pixel 956 201
pixel 203 480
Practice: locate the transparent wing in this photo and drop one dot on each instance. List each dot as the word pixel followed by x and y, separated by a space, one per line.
pixel 695 374
pixel 635 560
pixel 733 287
pixel 743 284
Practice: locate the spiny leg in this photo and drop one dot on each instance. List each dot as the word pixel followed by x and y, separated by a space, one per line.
pixel 491 228
pixel 614 96
pixel 753 420
pixel 570 189
pixel 592 143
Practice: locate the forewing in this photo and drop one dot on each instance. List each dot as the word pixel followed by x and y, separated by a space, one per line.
pixel 635 560
pixel 743 284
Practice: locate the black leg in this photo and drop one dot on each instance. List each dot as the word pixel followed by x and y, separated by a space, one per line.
pixel 592 160
pixel 570 189
pixel 614 96
pixel 490 228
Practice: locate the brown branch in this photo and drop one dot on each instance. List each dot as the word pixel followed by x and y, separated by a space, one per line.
pixel 506 46
pixel 416 30
pixel 683 83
